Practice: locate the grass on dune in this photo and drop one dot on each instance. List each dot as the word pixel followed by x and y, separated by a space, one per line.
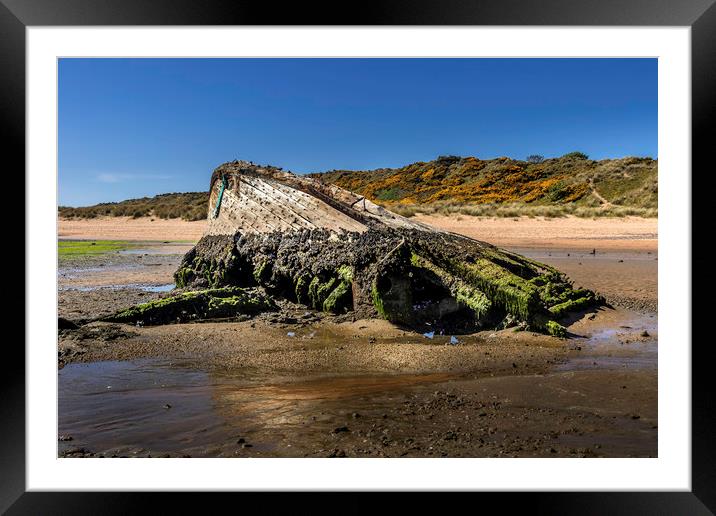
pixel 522 210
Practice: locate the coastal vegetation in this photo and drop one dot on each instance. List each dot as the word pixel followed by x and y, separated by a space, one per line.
pixel 570 185
pixel 501 187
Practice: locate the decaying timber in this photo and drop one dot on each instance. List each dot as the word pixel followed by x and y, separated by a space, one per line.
pixel 321 246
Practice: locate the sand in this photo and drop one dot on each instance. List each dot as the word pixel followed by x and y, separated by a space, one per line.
pixel 628 233
pixel 607 233
pixel 127 228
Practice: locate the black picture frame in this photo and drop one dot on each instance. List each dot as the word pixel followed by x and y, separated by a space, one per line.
pixel 699 15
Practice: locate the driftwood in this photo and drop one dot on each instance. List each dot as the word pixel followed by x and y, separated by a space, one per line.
pixel 275 235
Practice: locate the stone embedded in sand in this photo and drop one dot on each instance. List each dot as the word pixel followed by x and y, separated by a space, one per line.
pixel 324 247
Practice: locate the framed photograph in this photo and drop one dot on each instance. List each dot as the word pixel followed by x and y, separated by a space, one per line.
pixel 444 248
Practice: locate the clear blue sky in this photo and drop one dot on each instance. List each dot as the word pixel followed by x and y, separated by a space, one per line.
pixel 138 127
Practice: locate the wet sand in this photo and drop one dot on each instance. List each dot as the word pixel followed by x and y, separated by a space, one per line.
pixel 305 384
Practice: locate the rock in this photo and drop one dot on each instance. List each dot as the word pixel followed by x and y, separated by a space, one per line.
pixel 340 429
pixel 65 324
pixel 167 406
pixel 645 334
pixel 65 438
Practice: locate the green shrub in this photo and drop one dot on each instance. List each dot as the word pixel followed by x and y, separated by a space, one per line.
pixel 575 155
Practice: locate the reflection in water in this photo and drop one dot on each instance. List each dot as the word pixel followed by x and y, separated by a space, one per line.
pixel 130 406
pixel 620 346
pixel 124 404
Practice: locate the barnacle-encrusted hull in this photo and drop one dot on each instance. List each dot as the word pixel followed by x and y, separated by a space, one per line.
pixel 297 238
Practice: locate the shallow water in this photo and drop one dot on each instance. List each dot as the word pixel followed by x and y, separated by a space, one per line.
pixel 619 346
pixel 168 287
pixel 121 404
pixel 125 408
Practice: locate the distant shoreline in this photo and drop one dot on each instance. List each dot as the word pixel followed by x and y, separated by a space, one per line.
pixel 625 233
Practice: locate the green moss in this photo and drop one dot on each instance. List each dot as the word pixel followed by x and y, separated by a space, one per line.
pixel 313 290
pixel 345 272
pixel 514 294
pixel 378 300
pixel 201 304
pixel 392 298
pixel 183 276
pixel 464 293
pixel 216 271
pixel 556 329
pixel 492 275
pixel 572 306
pixel 473 299
pixel 323 290
pixel 318 291
pixel 335 294
pixel 301 289
pixel 262 271
pixel 339 297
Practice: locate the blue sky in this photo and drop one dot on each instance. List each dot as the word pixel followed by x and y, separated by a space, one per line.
pixel 138 127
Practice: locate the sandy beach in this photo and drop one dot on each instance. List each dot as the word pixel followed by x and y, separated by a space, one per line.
pixel 627 233
pixel 606 233
pixel 128 228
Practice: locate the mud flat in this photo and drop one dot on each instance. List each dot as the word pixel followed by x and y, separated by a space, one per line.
pixel 302 383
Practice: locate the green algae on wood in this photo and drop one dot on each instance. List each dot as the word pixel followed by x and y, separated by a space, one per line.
pixel 196 305
pixel 465 294
pixel 556 329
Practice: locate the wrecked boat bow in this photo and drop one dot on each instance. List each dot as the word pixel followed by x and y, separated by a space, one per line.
pixel 275 235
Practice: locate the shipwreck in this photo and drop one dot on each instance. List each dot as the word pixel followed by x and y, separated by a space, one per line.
pixel 274 237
